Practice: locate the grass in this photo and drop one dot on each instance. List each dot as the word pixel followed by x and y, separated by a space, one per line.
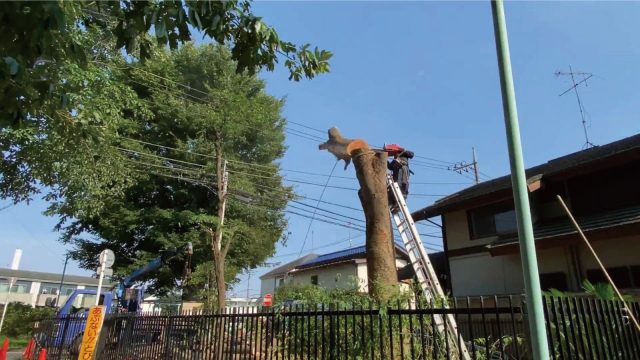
pixel 16 343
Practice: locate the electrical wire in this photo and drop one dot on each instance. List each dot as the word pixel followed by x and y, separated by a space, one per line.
pixel 158 156
pixel 299 133
pixel 326 216
pixel 327 211
pixel 167 147
pixel 315 210
pixel 323 132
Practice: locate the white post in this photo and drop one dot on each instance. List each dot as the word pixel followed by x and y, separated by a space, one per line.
pixel 15 264
pixel 102 268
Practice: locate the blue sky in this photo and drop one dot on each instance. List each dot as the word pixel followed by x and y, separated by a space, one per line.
pixel 424 75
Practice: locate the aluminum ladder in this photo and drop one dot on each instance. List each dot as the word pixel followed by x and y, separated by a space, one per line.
pixel 426 275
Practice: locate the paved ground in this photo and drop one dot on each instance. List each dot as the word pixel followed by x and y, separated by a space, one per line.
pixel 14 355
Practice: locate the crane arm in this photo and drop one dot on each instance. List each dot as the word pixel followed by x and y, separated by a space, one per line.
pixel 151 266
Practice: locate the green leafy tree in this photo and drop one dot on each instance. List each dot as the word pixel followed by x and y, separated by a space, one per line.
pixel 204 113
pixel 20 318
pixel 60 105
pixel 62 143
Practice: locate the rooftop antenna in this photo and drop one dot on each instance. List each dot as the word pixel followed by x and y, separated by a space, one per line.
pixel 585 76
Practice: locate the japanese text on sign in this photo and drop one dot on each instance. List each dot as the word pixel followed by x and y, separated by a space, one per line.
pixel 91 333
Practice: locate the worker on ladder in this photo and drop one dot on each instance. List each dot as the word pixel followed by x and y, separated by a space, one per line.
pixel 399 167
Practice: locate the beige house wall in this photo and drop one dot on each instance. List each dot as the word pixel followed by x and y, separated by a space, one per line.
pixel 269 285
pixel 457 225
pixel 330 277
pixel 483 274
pixel 622 251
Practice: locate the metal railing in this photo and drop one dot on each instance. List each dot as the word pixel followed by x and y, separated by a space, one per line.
pixel 587 328
pixel 490 327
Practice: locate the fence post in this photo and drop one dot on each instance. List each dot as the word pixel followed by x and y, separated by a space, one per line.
pixel 527 328
pixel 167 337
pixel 65 327
pixel 102 337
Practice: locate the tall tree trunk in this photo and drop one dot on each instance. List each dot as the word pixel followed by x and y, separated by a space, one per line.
pixel 371 171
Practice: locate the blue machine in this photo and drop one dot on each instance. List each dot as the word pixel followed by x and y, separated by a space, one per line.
pixel 68 332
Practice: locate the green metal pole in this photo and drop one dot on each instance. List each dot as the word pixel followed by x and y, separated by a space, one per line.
pixel 533 292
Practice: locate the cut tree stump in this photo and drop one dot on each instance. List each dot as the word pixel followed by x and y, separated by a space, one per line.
pixel 371 171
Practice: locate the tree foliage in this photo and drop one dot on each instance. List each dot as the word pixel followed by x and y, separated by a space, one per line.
pixel 62 143
pixel 20 318
pixel 196 102
pixel 60 103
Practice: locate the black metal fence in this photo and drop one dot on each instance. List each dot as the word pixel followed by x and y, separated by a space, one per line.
pixel 488 328
pixel 586 328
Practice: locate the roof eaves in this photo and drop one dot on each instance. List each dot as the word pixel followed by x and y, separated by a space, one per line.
pixel 552 167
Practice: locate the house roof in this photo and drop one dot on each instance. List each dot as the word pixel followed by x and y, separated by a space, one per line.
pixel 571 162
pixel 284 269
pixel 341 256
pixel 48 277
pixel 609 219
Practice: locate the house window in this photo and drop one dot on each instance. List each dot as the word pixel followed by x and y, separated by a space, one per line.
pixel 557 280
pixel 495 219
pixel 17 288
pixel 280 282
pixel 624 277
pixel 49 289
pixel 314 280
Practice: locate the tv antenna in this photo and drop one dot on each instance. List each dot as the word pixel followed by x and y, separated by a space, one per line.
pixel 585 76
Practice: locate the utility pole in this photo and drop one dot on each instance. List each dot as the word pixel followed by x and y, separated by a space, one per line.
pixel 539 346
pixel 463 166
pixel 64 270
pixel 223 196
pixel 248 283
pixel 220 252
pixel 475 166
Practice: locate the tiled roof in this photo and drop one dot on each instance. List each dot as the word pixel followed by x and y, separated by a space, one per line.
pixel 609 219
pixel 282 270
pixel 342 255
pixel 568 162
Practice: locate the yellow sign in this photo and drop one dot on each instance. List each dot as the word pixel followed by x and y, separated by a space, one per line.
pixel 91 333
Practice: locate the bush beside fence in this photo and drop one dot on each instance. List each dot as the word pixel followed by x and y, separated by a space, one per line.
pixel 490 328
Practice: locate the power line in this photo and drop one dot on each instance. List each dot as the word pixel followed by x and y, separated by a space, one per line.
pixel 295 181
pixel 168 147
pixel 315 210
pixel 327 211
pixel 302 136
pixel 306 197
pixel 326 216
pixel 292 131
pixel 246 164
pixel 201 101
pixel 180 170
pixel 158 156
pixel 302 133
pixel 322 247
pixel 323 132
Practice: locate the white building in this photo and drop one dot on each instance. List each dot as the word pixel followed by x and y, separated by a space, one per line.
pixel 35 288
pixel 340 269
